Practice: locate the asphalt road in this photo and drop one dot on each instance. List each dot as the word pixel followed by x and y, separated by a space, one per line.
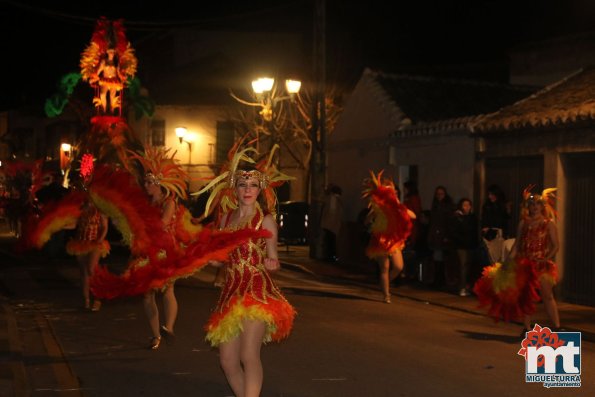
pixel 344 343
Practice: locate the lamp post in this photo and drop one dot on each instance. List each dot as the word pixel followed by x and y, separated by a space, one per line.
pixel 184 136
pixel 267 98
pixel 263 89
pixel 65 152
pixel 181 133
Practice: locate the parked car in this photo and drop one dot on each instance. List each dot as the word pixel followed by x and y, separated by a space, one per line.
pixel 293 222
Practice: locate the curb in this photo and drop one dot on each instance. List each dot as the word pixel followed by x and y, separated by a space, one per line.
pixel 585 335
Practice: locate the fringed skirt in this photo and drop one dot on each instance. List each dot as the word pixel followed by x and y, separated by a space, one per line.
pixel 226 324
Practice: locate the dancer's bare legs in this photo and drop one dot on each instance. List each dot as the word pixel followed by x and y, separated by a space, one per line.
pixel 549 302
pixel 85 268
pixel 152 313
pixel 397 262
pixel 388 273
pixel 240 359
pixel 170 308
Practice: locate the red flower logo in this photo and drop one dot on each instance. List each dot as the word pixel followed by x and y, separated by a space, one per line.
pixel 539 337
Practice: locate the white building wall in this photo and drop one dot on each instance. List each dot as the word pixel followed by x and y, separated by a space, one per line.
pixel 201 123
pixel 359 142
pixel 441 160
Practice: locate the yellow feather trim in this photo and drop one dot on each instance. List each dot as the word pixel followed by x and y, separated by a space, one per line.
pixel 230 325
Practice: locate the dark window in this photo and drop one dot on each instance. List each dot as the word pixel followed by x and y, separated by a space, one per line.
pixel 158 132
pixel 225 138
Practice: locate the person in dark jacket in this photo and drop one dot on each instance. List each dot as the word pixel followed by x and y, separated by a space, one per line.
pixel 494 214
pixel 464 235
pixel 438 234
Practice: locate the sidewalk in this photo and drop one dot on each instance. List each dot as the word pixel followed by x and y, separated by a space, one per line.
pixel 573 317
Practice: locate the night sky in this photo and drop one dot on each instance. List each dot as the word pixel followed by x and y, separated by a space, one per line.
pixel 43 40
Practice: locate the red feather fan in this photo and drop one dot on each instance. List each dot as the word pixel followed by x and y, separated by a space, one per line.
pixel 391 221
pixel 56 216
pixel 161 268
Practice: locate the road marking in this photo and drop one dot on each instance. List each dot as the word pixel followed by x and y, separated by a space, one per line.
pixel 18 382
pixel 62 370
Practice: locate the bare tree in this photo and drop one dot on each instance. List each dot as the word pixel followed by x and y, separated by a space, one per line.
pixel 284 120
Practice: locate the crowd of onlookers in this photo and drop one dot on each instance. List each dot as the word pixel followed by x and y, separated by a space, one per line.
pixel 450 239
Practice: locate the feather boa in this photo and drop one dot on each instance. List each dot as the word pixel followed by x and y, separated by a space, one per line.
pixel 160 268
pixel 117 195
pixel 55 216
pixel 186 231
pixel 392 224
pixel 508 291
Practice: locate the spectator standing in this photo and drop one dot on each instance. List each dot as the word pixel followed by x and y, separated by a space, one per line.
pixel 464 234
pixel 438 239
pixel 413 247
pixel 332 214
pixel 494 223
pixel 412 200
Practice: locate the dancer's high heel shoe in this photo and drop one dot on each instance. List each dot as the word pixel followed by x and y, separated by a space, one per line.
pixel 155 342
pixel 167 334
pixel 96 306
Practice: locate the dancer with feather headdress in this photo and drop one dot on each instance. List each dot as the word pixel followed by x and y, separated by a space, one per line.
pixel 510 290
pixel 390 225
pixel 251 308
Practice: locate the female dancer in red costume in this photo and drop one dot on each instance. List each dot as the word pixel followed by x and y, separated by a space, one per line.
pixel 510 290
pixel 390 226
pixel 537 245
pixel 251 309
pixel 164 183
pixel 88 246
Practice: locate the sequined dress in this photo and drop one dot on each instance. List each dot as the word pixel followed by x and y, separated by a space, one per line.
pixel 534 242
pixel 249 293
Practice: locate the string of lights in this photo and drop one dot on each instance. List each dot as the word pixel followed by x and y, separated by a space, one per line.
pixel 156 22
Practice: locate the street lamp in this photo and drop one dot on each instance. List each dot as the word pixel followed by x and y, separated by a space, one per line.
pixel 65 152
pixel 184 136
pixel 181 133
pixel 263 89
pixel 268 98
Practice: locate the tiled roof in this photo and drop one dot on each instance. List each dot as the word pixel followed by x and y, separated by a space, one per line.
pixel 567 101
pixel 431 99
pixel 435 127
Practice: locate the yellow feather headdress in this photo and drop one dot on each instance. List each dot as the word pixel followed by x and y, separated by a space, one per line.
pixel 162 169
pixel 222 187
pixel 547 198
